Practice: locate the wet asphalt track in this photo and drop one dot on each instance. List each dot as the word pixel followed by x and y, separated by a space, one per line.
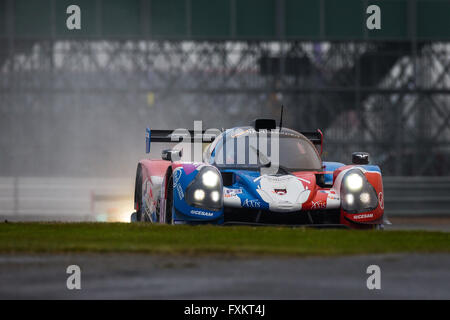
pixel 131 276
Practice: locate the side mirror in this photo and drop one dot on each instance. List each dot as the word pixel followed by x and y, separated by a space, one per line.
pixel 171 155
pixel 360 158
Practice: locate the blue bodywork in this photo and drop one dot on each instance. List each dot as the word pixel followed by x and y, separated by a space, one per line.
pixel 148 139
pixel 182 211
pixel 244 187
pixel 330 166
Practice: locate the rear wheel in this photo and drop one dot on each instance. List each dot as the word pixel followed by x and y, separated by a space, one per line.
pixel 169 201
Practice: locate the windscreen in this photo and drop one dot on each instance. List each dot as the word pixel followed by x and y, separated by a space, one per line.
pixel 246 148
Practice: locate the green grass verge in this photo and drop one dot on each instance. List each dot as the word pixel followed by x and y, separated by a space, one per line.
pixel 146 238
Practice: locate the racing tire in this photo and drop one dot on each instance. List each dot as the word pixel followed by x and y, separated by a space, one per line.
pixel 169 201
pixel 138 195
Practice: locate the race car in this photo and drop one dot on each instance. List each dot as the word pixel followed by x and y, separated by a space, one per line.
pixel 261 174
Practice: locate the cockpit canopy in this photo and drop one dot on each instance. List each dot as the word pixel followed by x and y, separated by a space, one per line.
pixel 247 148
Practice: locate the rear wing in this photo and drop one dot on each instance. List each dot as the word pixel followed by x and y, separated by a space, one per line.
pixel 183 135
pixel 316 137
pixel 180 135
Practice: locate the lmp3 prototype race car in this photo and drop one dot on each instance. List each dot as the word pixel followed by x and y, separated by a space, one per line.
pixel 262 174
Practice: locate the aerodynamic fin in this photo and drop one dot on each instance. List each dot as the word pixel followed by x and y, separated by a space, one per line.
pixel 178 135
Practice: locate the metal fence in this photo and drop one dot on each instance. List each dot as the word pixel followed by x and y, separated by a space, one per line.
pixel 85 199
pixel 417 196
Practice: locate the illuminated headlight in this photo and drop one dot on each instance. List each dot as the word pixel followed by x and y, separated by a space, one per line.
pixel 210 179
pixel 349 198
pixel 364 197
pixel 357 194
pixel 199 194
pixel 205 191
pixel 354 182
pixel 215 196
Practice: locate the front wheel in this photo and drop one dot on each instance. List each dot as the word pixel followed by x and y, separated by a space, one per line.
pixel 169 201
pixel 138 195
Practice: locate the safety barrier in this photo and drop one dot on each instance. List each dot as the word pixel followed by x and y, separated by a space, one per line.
pixel 72 199
pixel 417 196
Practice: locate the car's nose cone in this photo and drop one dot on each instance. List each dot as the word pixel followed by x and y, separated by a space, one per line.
pixel 283 193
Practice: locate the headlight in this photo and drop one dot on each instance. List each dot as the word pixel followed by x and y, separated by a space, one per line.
pixel 215 196
pixel 354 182
pixel 364 197
pixel 205 191
pixel 357 194
pixel 199 194
pixel 349 199
pixel 210 179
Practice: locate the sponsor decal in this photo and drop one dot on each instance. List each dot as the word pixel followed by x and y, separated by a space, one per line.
pixel 280 192
pixel 147 188
pixel 180 192
pixel 147 197
pixel 381 200
pixel 176 179
pixel 363 216
pixel 332 197
pixel 232 192
pixel 201 213
pixel 318 204
pixel 251 203
pixel 177 175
